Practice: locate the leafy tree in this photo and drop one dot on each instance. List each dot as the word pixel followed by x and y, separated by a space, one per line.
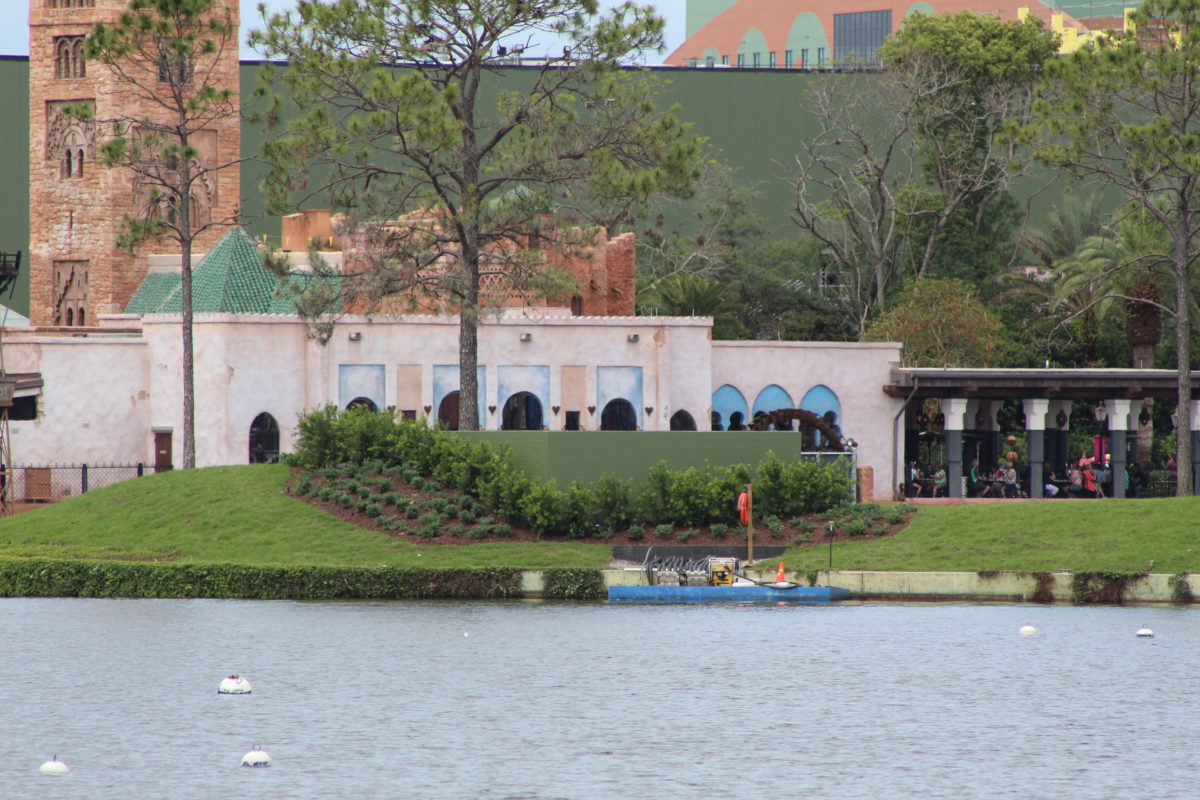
pixel 941 322
pixel 1127 114
pixel 444 187
pixel 917 160
pixel 725 267
pixel 165 54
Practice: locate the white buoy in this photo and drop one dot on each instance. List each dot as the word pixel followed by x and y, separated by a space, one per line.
pixel 1145 633
pixel 234 684
pixel 1027 630
pixel 54 767
pixel 256 758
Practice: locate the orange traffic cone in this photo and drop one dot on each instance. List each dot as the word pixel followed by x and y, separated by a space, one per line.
pixel 779 576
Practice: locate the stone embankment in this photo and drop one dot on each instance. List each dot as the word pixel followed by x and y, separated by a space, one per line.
pixel 1009 587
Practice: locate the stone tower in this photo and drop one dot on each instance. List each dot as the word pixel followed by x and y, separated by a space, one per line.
pixel 77 205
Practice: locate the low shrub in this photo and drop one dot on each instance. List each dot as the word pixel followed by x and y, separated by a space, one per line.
pixel 774 527
pixel 53 578
pixel 855 527
pixel 573 584
pixel 719 530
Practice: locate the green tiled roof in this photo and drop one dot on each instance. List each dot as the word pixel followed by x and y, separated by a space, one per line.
pixel 230 279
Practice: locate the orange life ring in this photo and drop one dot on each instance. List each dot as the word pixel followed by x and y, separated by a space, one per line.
pixel 743 507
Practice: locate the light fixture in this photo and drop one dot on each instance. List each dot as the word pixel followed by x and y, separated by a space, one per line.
pixel 1101 412
pixel 1144 417
pixel 355 336
pixel 1062 417
pixel 526 337
pixel 633 338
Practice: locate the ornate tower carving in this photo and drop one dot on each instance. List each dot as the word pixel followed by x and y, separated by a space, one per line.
pixel 76 205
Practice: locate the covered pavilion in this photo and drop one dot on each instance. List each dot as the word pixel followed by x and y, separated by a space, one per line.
pixel 970 399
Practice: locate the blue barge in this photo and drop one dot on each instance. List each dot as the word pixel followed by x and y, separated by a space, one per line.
pixel 752 593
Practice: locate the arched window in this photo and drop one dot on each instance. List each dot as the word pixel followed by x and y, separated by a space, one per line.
pixel 682 421
pixel 70 317
pixel 522 412
pixel 79 318
pixel 365 403
pixel 264 440
pixel 448 411
pixel 72 155
pixel 618 415
pixel 68 57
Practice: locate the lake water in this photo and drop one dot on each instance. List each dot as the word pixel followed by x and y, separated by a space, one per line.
pixel 542 700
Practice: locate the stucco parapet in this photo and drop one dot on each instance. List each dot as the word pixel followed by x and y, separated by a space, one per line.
pixel 778 344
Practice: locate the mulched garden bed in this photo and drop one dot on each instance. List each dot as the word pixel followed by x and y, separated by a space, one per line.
pixel 408 513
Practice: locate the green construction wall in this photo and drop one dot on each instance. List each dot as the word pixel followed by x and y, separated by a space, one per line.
pixel 753 119
pixel 587 455
pixel 14 171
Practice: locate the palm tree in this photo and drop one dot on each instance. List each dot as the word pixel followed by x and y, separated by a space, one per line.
pixel 696 296
pixel 1122 270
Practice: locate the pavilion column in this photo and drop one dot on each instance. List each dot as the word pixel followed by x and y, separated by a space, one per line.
pixel 982 413
pixel 955 410
pixel 1194 426
pixel 1057 454
pixel 1118 426
pixel 1035 426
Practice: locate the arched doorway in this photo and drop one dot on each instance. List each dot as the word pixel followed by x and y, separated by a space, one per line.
pixel 522 412
pixel 618 415
pixel 682 421
pixel 448 412
pixel 264 440
pixel 364 403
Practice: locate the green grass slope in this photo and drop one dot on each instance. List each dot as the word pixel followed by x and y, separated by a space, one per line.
pixel 241 515
pixel 1079 535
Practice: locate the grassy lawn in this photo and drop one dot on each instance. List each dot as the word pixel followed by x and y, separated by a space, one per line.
pixel 1092 535
pixel 240 515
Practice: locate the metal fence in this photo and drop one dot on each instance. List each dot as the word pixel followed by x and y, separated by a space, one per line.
pixel 52 482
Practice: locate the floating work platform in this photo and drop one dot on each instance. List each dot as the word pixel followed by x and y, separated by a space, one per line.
pixel 751 593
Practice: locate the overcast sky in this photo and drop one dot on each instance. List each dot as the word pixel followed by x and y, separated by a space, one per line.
pixel 14 20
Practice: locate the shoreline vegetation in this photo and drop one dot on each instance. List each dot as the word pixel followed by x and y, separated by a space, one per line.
pixel 235 532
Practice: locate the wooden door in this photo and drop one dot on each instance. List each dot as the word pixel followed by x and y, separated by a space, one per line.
pixel 162 451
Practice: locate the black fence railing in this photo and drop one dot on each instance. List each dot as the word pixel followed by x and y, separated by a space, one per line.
pixel 52 482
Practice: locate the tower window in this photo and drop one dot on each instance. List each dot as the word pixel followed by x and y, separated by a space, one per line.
pixel 70 3
pixel 68 57
pixel 72 156
pixel 174 68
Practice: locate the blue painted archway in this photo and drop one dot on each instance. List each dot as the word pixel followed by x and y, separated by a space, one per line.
pixel 727 401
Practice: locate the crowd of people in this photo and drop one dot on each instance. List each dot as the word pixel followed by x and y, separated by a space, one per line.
pixel 1090 477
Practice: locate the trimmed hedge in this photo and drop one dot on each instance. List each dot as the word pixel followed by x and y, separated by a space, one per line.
pixel 38 577
pixel 573 584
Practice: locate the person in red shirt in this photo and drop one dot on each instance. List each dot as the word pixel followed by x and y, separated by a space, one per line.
pixel 1090 489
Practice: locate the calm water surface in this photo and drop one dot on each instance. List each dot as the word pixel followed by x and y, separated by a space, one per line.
pixel 539 700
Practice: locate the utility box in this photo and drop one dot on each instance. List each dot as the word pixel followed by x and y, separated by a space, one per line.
pixel 720 571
